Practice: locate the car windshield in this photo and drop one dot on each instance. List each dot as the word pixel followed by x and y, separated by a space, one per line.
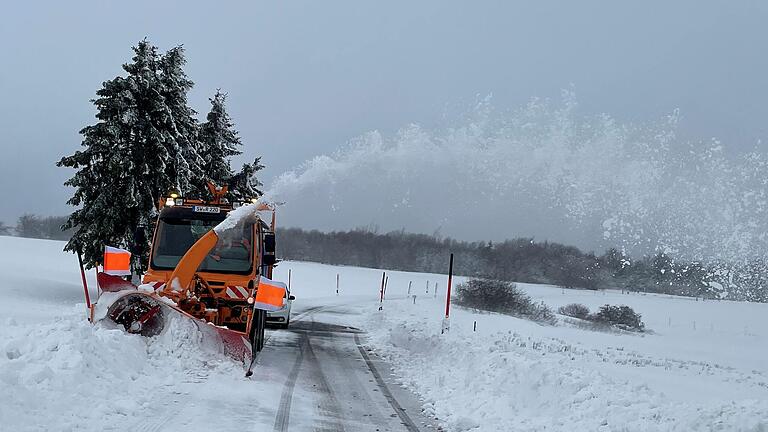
pixel 232 253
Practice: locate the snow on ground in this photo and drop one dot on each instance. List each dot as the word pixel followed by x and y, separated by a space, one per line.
pixel 704 368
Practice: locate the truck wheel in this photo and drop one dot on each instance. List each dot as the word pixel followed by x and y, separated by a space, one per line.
pixel 257 330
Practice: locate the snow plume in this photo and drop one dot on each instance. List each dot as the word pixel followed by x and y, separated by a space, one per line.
pixel 542 171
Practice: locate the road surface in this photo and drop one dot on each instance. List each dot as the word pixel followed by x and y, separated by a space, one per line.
pixel 330 381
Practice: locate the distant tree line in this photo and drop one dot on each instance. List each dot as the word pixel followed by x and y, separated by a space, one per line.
pixel 525 260
pixel 41 227
pixel 518 260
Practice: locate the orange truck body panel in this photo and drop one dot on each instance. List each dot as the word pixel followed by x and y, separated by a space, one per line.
pixel 219 298
pixel 182 276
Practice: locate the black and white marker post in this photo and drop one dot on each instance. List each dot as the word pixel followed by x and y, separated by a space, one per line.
pixel 381 291
pixel 446 321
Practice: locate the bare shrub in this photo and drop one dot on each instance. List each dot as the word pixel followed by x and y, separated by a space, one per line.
pixel 502 297
pixel 574 310
pixel 542 313
pixel 623 317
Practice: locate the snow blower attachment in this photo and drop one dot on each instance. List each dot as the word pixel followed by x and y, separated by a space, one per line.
pixel 210 264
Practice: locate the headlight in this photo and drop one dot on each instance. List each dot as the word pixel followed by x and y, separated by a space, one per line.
pixel 170 202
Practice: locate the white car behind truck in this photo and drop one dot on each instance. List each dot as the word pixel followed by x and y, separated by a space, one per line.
pixel 282 317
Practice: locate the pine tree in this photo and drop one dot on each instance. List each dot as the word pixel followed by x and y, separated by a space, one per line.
pixel 219 141
pixel 142 146
pixel 181 119
pixel 244 185
pixel 4 229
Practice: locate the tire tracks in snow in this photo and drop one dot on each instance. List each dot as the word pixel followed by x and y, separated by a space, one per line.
pixel 282 418
pixel 404 417
pixel 284 409
pixel 328 405
pixel 311 364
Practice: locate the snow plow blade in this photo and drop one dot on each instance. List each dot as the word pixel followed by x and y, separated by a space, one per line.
pixel 148 315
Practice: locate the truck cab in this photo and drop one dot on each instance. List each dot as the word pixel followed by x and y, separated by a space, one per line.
pixel 225 281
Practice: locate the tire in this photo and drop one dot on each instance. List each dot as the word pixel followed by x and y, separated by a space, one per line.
pixel 285 324
pixel 257 330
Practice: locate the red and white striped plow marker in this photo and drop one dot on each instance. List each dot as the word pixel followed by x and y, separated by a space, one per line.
pixel 237 292
pixel 117 262
pixel 270 295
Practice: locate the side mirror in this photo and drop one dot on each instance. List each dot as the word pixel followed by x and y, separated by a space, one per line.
pixel 139 240
pixel 291 297
pixel 269 243
pixel 268 259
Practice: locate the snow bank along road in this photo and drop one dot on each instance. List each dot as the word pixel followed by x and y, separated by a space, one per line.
pixel 705 367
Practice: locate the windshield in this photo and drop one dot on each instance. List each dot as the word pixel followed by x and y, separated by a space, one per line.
pixel 232 253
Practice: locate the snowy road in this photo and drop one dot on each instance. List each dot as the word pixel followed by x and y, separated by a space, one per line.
pixel 330 382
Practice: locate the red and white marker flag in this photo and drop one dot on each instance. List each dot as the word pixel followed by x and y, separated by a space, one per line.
pixel 270 295
pixel 117 262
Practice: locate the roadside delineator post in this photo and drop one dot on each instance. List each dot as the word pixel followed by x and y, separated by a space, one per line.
pixel 337 284
pixel 446 321
pixel 85 285
pixel 381 291
pixel 409 287
pixel 289 279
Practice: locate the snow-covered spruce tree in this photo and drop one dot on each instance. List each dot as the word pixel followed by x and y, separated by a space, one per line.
pixel 142 146
pixel 219 141
pixel 244 185
pixel 180 120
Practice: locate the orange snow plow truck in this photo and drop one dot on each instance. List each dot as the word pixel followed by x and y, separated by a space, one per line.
pixel 210 264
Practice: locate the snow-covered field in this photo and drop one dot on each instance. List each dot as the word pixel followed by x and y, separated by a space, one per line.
pixel 704 367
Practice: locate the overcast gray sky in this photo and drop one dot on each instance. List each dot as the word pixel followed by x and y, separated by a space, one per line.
pixel 306 76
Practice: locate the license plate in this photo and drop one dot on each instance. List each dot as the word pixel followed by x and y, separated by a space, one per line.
pixel 205 209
